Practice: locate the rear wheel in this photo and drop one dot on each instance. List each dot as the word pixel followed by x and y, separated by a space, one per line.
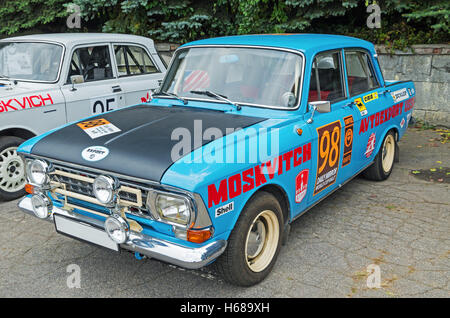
pixel 254 243
pixel 384 161
pixel 12 169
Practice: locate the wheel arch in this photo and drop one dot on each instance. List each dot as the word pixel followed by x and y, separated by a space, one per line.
pixel 280 194
pixel 18 132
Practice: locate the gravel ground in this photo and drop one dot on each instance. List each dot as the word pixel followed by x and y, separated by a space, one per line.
pixel 400 228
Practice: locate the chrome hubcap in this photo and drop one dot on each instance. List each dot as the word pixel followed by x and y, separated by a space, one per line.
pixel 12 170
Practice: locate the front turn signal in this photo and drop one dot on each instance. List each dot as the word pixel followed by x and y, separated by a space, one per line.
pixel 29 188
pixel 198 236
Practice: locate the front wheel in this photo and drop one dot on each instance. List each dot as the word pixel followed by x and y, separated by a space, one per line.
pixel 384 161
pixel 254 243
pixel 12 169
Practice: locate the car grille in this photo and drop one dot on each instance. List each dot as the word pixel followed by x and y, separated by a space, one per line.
pixel 72 184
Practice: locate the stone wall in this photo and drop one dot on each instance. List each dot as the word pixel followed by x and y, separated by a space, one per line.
pixel 429 67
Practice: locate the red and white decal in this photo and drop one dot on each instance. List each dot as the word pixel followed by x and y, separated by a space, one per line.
pixel 301 185
pixel 148 98
pixel 370 145
pixel 196 80
pixel 26 102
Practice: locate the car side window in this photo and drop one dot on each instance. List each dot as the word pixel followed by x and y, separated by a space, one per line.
pixel 360 75
pixel 326 78
pixel 93 63
pixel 133 60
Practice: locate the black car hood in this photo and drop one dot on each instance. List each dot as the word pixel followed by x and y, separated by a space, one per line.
pixel 143 147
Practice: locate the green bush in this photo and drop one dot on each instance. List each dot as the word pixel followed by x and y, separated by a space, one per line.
pixel 403 23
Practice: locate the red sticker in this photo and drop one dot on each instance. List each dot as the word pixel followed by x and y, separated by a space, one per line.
pixel 301 185
pixel 370 145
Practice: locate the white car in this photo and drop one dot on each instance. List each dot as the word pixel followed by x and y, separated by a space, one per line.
pixel 49 80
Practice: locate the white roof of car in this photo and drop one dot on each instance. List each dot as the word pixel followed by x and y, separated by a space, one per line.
pixel 80 38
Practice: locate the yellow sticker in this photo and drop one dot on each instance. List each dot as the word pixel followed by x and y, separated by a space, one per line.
pixel 93 123
pixel 370 97
pixel 362 108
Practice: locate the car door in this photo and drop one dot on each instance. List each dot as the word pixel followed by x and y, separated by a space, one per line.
pixel 328 129
pixel 139 72
pixel 91 85
pixel 368 100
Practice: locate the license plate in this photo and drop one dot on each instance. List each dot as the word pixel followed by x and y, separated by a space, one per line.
pixel 84 232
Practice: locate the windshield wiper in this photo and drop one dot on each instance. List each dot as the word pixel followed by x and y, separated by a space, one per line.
pixel 217 96
pixel 183 100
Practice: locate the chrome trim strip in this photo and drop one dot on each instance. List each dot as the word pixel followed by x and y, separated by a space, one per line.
pixel 183 256
pixel 300 89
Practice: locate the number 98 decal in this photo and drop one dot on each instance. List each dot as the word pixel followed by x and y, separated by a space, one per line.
pixel 329 147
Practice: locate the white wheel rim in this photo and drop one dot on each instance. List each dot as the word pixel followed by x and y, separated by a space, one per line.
pixel 387 153
pixel 262 241
pixel 12 171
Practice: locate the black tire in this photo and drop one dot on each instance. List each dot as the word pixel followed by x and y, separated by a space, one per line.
pixel 377 171
pixel 234 265
pixel 7 142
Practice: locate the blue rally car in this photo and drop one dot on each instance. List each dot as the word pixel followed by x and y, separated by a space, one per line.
pixel 245 135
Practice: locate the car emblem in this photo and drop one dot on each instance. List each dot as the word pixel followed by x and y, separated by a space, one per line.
pixel 95 153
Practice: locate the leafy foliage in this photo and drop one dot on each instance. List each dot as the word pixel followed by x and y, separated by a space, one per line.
pixel 402 22
pixel 24 15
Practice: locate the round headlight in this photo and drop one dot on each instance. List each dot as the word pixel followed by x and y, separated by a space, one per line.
pixel 37 172
pixel 117 229
pixel 41 205
pixel 105 189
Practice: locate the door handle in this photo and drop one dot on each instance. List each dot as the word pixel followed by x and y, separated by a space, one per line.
pixel 387 91
pixel 351 104
pixel 116 89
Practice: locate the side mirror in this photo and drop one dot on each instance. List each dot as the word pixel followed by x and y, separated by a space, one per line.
pixel 321 107
pixel 76 79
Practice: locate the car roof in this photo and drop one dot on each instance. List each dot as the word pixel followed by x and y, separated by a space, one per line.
pixel 307 43
pixel 80 38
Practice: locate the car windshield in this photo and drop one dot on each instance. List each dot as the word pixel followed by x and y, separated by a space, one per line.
pixel 245 76
pixel 30 61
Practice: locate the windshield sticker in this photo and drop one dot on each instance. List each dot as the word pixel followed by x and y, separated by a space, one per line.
pixel 329 147
pixel 18 63
pixel 98 128
pixel 20 103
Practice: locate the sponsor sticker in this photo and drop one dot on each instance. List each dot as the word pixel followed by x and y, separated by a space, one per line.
pixel 98 128
pixel 301 185
pixel 402 123
pixel 329 138
pixel 370 97
pixel 400 95
pixel 95 153
pixel 362 108
pixel 348 140
pixel 224 209
pixel 370 145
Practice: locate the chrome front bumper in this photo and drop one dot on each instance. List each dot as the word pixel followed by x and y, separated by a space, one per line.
pixel 187 257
